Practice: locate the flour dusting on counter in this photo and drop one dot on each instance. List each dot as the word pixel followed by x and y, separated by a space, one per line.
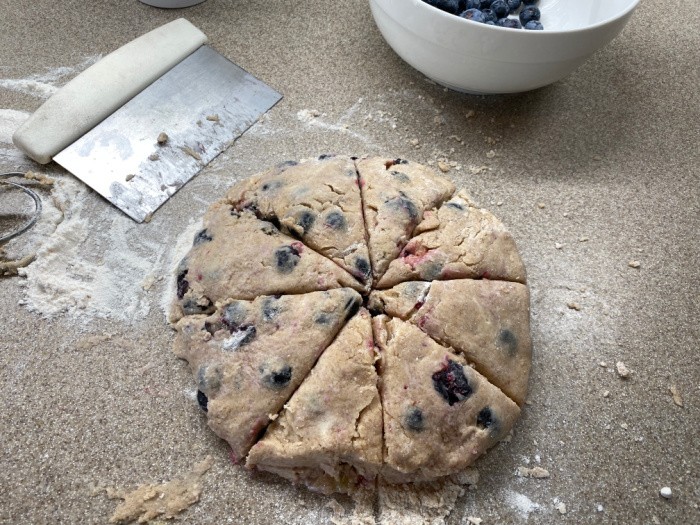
pixel 43 85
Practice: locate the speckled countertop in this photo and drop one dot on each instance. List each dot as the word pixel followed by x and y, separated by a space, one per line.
pixel 589 174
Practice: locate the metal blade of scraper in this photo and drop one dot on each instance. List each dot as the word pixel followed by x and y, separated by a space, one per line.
pixel 203 105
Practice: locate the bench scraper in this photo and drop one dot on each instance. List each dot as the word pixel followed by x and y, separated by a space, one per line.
pixel 104 125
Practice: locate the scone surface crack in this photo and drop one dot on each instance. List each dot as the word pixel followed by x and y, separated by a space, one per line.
pixel 354 320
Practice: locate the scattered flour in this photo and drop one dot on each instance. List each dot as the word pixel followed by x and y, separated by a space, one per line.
pixel 43 85
pixel 10 156
pixel 521 503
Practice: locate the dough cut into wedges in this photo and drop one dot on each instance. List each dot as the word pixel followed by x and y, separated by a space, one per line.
pixel 238 256
pixel 396 194
pixel 329 435
pixel 486 321
pixel 317 201
pixel 440 415
pixel 249 357
pixel 457 241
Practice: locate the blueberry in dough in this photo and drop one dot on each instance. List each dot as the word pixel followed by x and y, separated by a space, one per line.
pixel 286 259
pixel 352 306
pixel 362 266
pixel 202 236
pixel 485 418
pixel 451 383
pixel 233 315
pixel 306 220
pixel 182 284
pixel 335 220
pixel 270 310
pixel 202 400
pixel 278 378
pixel 507 340
pixel 413 419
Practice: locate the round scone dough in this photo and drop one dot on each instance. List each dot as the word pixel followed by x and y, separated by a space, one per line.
pixel 354 321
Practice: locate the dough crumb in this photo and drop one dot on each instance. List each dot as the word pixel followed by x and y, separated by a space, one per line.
pixel 599 508
pixel 622 370
pixel 559 245
pixel 469 114
pixel 666 492
pixel 213 118
pixel 634 264
pixel 471 520
pixel 583 239
pixel 162 138
pixel 603 364
pixel 336 508
pixel 606 393
pixel 153 156
pixel 167 500
pixel 561 507
pixel 192 153
pixel 534 472
pixel 540 205
pixel 444 167
pixel 574 306
pixel 490 154
pixel 129 177
pixel 40 178
pixel 677 397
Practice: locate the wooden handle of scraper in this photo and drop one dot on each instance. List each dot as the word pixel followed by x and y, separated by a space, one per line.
pixel 104 87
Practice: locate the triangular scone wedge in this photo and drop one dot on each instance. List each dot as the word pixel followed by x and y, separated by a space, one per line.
pixel 395 195
pixel 329 435
pixel 458 241
pixel 317 201
pixel 439 413
pixel 249 357
pixel 237 256
pixel 486 321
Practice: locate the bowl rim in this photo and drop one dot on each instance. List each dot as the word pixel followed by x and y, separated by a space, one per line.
pixel 633 5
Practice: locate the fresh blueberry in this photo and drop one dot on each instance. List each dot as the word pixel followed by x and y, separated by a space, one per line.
pixel 335 220
pixel 510 23
pixel 413 419
pixel 535 25
pixel 474 15
pixel 276 379
pixel 202 400
pixel 500 8
pixel 451 383
pixel 513 5
pixel 286 259
pixel 306 220
pixel 489 15
pixel 469 4
pixel 450 6
pixel 201 237
pixel 530 2
pixel 529 13
pixel 485 4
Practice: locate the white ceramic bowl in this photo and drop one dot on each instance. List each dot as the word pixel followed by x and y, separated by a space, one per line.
pixel 478 58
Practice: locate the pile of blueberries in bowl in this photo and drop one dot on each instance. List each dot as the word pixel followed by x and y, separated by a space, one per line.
pixel 494 12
